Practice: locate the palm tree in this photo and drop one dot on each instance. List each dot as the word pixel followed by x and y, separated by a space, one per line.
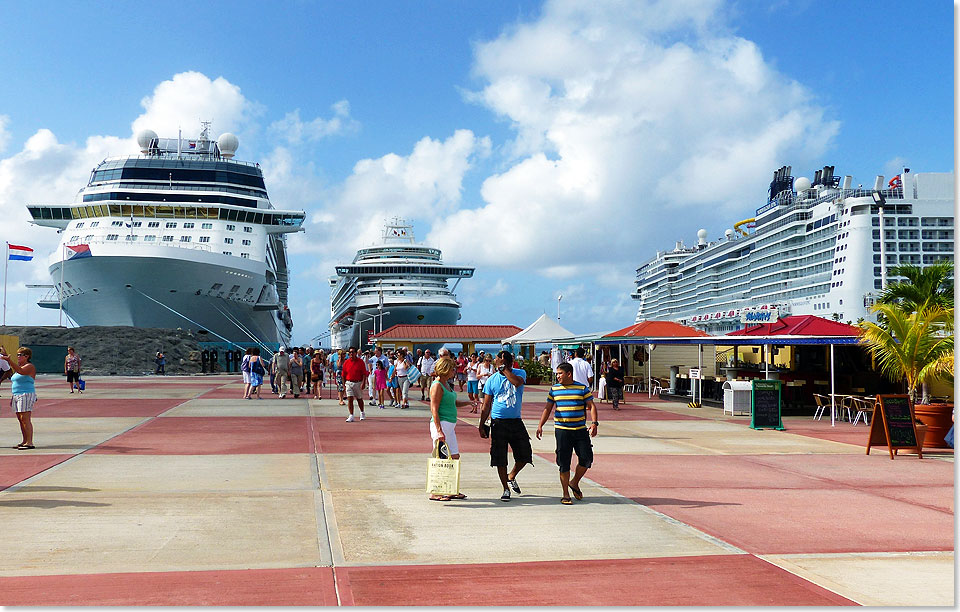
pixel 912 346
pixel 932 285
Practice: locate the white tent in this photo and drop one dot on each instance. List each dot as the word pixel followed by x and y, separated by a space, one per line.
pixel 542 331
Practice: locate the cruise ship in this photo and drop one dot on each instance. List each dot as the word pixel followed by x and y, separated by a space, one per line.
pixel 817 247
pixel 393 282
pixel 181 236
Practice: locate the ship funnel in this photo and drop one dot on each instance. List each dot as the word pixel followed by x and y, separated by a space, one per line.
pixel 878 185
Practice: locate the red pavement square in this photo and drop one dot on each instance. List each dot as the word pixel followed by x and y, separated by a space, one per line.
pixel 213 436
pixel 735 580
pixel 312 586
pixel 17 468
pixel 89 407
pixel 387 435
pixel 652 471
pixel 831 520
pixel 862 470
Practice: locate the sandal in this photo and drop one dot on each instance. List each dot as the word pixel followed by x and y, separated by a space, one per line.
pixel 458 496
pixel 442 498
pixel 25 447
pixel 566 501
pixel 577 493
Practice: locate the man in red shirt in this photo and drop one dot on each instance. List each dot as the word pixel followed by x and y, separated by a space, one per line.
pixel 355 378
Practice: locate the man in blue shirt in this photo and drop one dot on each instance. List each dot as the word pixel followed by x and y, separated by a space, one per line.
pixel 572 400
pixel 502 400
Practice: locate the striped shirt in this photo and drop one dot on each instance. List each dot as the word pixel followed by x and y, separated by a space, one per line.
pixel 571 401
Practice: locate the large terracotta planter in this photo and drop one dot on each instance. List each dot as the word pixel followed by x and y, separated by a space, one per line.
pixel 938 419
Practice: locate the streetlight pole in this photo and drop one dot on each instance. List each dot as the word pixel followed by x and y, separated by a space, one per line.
pixel 559 297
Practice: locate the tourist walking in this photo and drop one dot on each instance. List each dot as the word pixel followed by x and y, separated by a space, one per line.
pixel 380 381
pixel 256 372
pixel 614 377
pixel 316 372
pixel 281 371
pixel 461 370
pixel 24 392
pixel 161 361
pixel 71 367
pixel 484 371
pixel 5 370
pixel 403 365
pixel 338 371
pixel 582 370
pixel 571 400
pixel 296 373
pixel 502 401
pixel 443 416
pixel 426 372
pixel 473 383
pixel 355 378
pixel 393 387
pixel 245 372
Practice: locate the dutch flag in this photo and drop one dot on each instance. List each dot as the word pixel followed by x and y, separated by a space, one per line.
pixel 19 253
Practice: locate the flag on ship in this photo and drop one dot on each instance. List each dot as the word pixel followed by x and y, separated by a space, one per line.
pixel 19 253
pixel 77 251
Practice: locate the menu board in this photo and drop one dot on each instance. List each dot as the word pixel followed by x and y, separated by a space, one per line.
pixel 765 405
pixel 893 425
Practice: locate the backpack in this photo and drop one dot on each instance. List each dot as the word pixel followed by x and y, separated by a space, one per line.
pixel 257 367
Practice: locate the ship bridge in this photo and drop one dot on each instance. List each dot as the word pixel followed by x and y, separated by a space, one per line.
pixel 377 271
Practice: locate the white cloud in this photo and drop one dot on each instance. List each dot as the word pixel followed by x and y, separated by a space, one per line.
pixel 191 97
pixel 294 131
pixel 630 118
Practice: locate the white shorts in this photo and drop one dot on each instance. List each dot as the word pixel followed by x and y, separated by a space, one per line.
pixel 23 402
pixel 353 389
pixel 449 434
pixel 246 377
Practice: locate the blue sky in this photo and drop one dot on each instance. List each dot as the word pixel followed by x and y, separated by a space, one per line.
pixel 555 146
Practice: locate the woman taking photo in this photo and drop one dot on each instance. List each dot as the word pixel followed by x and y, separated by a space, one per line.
pixel 24 392
pixel 443 415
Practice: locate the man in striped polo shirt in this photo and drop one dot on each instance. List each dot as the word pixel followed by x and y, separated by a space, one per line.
pixel 571 400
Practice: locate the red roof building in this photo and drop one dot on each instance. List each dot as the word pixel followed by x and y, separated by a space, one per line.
pixel 657 329
pixel 410 335
pixel 799 325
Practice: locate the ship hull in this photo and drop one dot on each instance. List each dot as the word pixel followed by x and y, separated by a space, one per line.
pixel 168 293
pixel 407 314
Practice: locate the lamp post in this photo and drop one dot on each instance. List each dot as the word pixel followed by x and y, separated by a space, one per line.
pixel 559 297
pixel 881 201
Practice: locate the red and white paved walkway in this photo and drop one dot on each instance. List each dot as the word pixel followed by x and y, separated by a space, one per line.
pixel 173 491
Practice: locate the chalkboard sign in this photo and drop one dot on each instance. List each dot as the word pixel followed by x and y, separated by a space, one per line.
pixel 765 405
pixel 893 425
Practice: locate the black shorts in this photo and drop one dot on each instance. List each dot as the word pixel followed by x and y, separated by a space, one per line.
pixel 512 432
pixel 573 440
pixel 72 376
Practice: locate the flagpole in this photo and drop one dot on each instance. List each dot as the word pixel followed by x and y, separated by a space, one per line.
pixel 61 285
pixel 6 262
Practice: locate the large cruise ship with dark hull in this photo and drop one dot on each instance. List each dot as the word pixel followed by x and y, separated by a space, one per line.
pixel 180 236
pixel 394 282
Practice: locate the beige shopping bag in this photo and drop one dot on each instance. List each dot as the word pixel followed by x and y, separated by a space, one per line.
pixel 443 475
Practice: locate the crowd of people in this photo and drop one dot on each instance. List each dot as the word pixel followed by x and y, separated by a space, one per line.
pixel 494 390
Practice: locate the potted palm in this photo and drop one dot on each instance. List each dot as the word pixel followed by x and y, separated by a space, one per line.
pixel 915 347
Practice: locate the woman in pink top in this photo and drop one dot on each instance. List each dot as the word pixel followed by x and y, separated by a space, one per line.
pixel 380 381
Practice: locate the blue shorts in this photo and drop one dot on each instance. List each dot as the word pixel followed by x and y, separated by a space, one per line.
pixel 473 386
pixel 392 384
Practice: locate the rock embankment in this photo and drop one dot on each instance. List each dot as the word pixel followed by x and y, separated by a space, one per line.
pixel 118 350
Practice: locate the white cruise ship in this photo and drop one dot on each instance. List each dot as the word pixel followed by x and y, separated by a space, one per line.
pixel 393 282
pixel 180 236
pixel 815 248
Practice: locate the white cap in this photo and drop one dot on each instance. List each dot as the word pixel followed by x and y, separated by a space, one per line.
pixel 282 350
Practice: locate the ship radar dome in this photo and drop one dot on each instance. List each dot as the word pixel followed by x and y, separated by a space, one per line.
pixel 728 234
pixel 144 138
pixel 228 144
pixel 801 184
pixel 702 236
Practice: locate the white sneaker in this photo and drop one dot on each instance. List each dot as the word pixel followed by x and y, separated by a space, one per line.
pixel 362 415
pixel 350 419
